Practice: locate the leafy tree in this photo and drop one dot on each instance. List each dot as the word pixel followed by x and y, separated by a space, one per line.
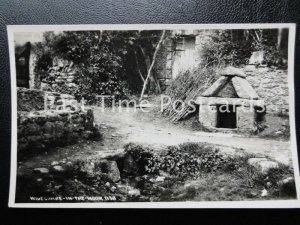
pixel 107 62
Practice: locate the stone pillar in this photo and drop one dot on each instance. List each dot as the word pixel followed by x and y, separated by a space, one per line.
pixel 34 78
pixel 208 116
pixel 245 118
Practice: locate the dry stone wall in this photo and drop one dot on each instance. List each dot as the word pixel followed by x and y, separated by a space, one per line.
pixel 33 99
pixel 271 85
pixel 39 129
pixel 60 78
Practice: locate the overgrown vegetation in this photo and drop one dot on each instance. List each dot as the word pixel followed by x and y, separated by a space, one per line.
pixel 234 47
pixel 186 87
pixel 107 62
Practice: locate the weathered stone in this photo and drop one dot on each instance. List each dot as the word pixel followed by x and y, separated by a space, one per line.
pixel 271 85
pixel 264 193
pixel 253 161
pixel 263 165
pixel 112 154
pixel 286 182
pixel 58 169
pixel 160 179
pixel 217 86
pixel 48 128
pixel 232 71
pixel 41 170
pixel 32 129
pixel 129 165
pixel 134 192
pixel 208 116
pixel 245 118
pixel 243 88
pixel 111 169
pixel 257 58
pixel 54 163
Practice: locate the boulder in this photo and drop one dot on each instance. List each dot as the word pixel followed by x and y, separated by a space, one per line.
pixel 111 154
pixel 263 165
pixel 125 189
pixel 111 169
pixel 54 163
pixel 129 165
pixel 257 58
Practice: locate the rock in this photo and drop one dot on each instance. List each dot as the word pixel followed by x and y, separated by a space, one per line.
pixel 111 169
pixel 263 165
pixel 232 71
pixel 213 89
pixel 123 188
pixel 264 193
pixel 113 188
pixel 256 58
pixel 129 165
pixel 58 168
pixel 41 170
pixel 112 154
pixel 253 161
pixel 134 192
pixel 243 88
pixel 287 183
pixel 222 189
pixel 160 179
pixel 54 163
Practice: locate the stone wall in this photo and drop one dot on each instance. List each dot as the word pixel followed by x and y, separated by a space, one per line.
pixel 41 129
pixel 32 99
pixel 271 85
pixel 60 78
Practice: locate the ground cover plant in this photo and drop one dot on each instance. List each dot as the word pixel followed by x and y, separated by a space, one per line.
pixel 190 171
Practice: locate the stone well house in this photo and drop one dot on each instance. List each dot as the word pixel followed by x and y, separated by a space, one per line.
pixel 231 103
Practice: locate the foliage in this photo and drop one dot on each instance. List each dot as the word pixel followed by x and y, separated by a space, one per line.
pixel 185 160
pixel 107 62
pixel 234 47
pixel 182 163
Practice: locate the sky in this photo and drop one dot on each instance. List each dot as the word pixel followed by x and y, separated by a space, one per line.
pixel 21 38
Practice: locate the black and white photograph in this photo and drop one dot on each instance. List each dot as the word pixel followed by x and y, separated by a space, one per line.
pixel 153 116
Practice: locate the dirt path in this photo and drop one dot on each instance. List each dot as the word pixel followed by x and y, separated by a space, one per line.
pixel 151 128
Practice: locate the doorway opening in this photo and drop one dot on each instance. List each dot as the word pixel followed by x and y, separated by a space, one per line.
pixel 226 116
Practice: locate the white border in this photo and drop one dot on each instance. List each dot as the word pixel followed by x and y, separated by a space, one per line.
pixel 204 204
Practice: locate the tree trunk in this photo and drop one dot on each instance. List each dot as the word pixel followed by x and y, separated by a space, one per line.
pixel 152 64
